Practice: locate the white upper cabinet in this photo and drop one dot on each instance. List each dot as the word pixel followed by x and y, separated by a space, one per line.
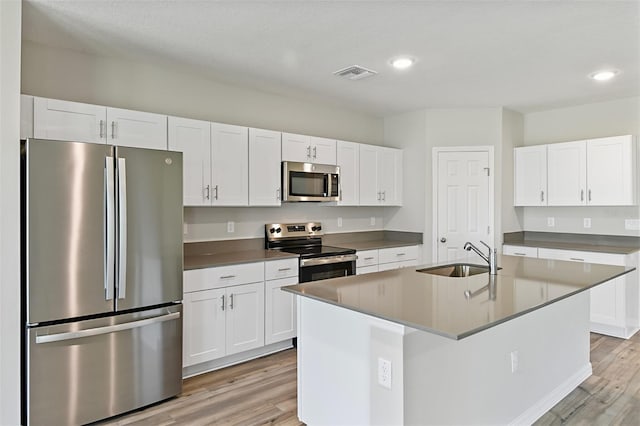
pixel 380 176
pixel 530 182
pixel 308 149
pixel 136 129
pixel 74 121
pixel 348 156
pixel 595 172
pixel 229 165
pixel 193 139
pixel 611 171
pixel 69 121
pixel 567 173
pixel 264 167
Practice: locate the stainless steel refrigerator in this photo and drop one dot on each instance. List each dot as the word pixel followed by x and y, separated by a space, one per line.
pixel 101 279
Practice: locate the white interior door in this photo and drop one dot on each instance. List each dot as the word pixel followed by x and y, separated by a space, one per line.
pixel 463 210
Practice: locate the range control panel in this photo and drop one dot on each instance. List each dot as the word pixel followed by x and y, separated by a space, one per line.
pixel 275 231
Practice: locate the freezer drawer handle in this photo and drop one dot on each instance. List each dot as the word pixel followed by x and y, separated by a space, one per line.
pixel 49 338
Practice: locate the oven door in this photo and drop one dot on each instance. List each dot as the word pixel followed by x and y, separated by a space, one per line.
pixel 322 268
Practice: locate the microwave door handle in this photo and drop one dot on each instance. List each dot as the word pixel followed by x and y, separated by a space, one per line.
pixel 122 228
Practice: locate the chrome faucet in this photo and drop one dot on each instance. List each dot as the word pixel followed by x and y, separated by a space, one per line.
pixel 491 259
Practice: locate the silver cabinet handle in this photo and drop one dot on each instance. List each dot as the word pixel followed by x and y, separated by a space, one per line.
pixel 519 254
pixel 102 123
pixel 542 196
pixel 401 254
pixel 384 195
pixel 284 269
pixel 309 151
pixel 122 228
pixel 222 302
pixel 215 188
pixel 315 151
pixel 577 259
pixel 369 258
pixel 379 195
pixel 110 229
pixel 443 240
pixel 582 195
pixel 114 127
pixel 226 277
pixel 589 196
pixel 71 335
pixel 278 194
pixel 231 301
pixel 208 189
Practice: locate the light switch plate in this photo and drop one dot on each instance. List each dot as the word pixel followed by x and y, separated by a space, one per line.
pixel 231 226
pixel 551 222
pixel 339 222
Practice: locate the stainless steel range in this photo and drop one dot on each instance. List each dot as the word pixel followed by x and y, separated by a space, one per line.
pixel 317 261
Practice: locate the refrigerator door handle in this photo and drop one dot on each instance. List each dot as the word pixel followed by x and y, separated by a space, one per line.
pixel 71 335
pixel 110 229
pixel 122 228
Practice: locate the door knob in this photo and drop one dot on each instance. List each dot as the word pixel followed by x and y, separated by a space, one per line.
pixel 443 240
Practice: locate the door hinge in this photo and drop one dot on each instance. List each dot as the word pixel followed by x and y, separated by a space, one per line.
pixel 488 171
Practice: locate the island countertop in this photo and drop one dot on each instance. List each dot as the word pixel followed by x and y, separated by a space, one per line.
pixel 438 304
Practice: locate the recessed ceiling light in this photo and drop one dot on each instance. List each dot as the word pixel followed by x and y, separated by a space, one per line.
pixel 603 75
pixel 402 63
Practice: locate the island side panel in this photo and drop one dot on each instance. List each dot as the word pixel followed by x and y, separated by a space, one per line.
pixel 470 381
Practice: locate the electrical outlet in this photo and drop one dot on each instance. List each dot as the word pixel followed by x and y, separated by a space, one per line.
pixel 339 222
pixel 586 222
pixel 372 222
pixel 632 224
pixel 384 373
pixel 231 226
pixel 551 222
pixel 514 362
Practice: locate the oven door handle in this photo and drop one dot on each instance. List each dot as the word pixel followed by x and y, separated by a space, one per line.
pixel 327 260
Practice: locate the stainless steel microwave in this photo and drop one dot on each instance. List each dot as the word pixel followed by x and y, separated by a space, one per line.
pixel 310 182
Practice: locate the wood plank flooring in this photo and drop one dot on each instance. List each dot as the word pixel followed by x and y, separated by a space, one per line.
pixel 263 391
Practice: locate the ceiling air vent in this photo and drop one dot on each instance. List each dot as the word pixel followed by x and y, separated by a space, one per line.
pixel 355 72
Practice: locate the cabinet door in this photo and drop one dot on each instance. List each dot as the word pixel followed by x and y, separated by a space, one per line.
pixel 264 167
pixel 567 173
pixel 229 165
pixel 296 148
pixel 69 121
pixel 323 150
pixel 530 176
pixel 390 176
pixel 193 139
pixel 348 154
pixel 136 129
pixel 245 317
pixel 520 251
pixel 204 326
pixel 611 164
pixel 280 311
pixel 608 303
pixel 369 190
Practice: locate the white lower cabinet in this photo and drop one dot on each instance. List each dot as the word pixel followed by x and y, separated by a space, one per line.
pixel 232 309
pixel 615 305
pixel 385 259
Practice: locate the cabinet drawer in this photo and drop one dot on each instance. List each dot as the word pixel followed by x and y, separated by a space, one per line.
pixel 366 258
pixel 397 254
pixel 284 268
pixel 520 251
pixel 582 256
pixel 223 276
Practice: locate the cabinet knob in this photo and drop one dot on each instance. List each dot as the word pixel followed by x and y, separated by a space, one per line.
pixel 443 240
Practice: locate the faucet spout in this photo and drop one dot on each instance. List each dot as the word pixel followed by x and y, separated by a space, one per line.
pixel 491 258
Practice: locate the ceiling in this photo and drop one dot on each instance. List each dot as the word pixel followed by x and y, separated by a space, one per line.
pixel 523 55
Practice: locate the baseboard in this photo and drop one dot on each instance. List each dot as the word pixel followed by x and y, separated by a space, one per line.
pixel 610 330
pixel 536 411
pixel 228 361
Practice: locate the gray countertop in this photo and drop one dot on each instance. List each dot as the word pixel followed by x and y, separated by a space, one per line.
pixel 235 257
pixel 438 304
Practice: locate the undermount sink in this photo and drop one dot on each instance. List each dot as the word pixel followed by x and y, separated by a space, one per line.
pixel 457 270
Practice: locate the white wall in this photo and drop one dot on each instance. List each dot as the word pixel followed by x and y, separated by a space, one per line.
pixel 10 34
pixel 595 120
pixel 508 218
pixel 75 76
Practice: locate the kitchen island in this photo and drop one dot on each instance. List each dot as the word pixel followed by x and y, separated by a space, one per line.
pixel 406 347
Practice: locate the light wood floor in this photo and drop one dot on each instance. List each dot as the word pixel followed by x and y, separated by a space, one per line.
pixel 263 391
